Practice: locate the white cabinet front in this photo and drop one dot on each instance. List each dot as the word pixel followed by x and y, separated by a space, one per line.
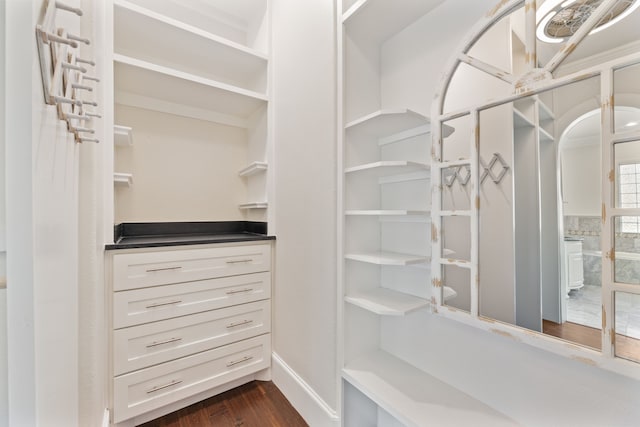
pixel 140 270
pixel 160 385
pixel 150 344
pixel 164 302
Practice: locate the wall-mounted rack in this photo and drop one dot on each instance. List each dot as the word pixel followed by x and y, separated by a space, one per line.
pixel 64 73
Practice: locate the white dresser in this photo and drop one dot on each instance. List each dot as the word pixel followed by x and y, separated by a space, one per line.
pixel 574 265
pixel 186 320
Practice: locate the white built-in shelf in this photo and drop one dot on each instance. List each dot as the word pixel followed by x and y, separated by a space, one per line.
pixel 155 87
pixel 386 302
pixel 544 135
pixel 389 167
pixel 374 21
pixel 254 205
pixel 388 212
pixel 388 258
pixel 544 112
pixel 388 122
pixel 253 168
pixel 520 120
pixel 122 135
pixel 416 398
pixel 147 35
pixel 124 179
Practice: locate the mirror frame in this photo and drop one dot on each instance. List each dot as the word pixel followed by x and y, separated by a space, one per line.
pixel 533 81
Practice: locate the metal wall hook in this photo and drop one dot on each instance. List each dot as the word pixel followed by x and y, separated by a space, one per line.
pixel 488 168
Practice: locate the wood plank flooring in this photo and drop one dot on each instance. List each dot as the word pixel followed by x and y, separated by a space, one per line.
pixel 626 347
pixel 256 404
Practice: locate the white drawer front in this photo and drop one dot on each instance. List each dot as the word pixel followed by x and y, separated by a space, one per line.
pixel 163 302
pixel 146 345
pixel 152 388
pixel 139 270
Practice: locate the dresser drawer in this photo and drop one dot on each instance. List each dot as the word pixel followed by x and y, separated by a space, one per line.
pixel 140 270
pixel 163 302
pixel 146 345
pixel 152 388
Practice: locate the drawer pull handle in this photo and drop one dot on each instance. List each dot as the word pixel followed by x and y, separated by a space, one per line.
pixel 162 387
pixel 235 362
pixel 157 343
pixel 239 291
pixel 160 304
pixel 152 270
pixel 239 261
pixel 244 322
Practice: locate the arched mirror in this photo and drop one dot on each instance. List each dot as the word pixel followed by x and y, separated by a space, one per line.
pixel 536 207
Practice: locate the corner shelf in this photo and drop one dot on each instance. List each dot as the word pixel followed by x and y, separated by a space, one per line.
pixel 253 168
pixel 122 179
pixel 388 122
pixel 166 41
pixel 388 258
pixel 415 398
pixel 520 120
pixel 395 212
pixel 254 205
pixel 386 302
pixel 122 135
pixel 155 87
pixel 389 167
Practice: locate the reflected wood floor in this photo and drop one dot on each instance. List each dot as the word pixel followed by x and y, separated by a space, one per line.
pixel 626 347
pixel 256 404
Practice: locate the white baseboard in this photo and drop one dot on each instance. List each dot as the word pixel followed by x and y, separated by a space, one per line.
pixel 307 402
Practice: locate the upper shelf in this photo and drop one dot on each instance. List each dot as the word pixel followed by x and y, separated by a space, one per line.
pixel 389 167
pixel 143 84
pixel 144 34
pixel 374 21
pixel 388 122
pixel 239 21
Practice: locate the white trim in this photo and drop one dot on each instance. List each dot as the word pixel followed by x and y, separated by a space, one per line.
pixel 105 418
pixel 315 411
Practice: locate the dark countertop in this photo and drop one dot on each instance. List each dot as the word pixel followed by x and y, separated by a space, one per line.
pixel 158 234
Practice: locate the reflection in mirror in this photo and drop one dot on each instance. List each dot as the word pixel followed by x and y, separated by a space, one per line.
pixel 456 145
pixel 540 260
pixel 627 326
pixel 627 167
pixel 615 35
pixel 456 292
pixel 627 249
pixel 626 87
pixel 455 192
pixel 455 245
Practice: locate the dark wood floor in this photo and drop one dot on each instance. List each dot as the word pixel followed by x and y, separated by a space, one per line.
pixel 626 347
pixel 256 404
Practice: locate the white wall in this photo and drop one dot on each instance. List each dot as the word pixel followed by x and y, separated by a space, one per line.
pixel 41 237
pixel 4 420
pixel 177 165
pixel 304 102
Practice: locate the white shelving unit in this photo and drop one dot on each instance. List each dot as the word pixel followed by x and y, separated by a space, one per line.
pixel 386 225
pixel 122 136
pixel 253 168
pixel 210 63
pixel 415 398
pixel 388 258
pixel 386 302
pixel 124 179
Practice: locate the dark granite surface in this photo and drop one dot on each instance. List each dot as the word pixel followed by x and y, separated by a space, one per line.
pixel 156 234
